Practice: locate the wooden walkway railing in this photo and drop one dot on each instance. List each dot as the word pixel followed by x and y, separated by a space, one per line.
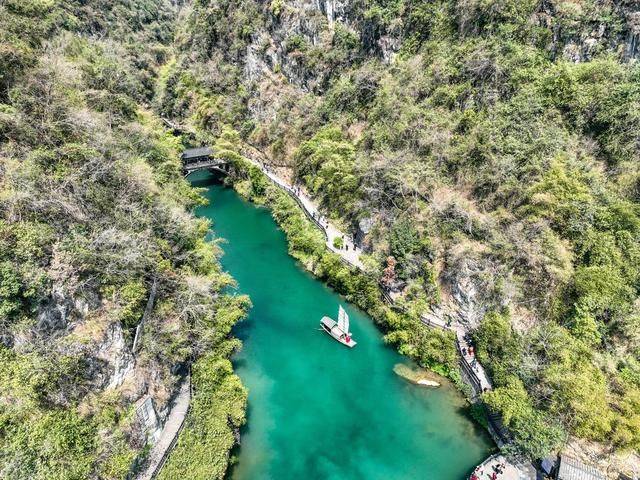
pixel 294 195
pixel 316 222
pixel 308 214
pixel 476 382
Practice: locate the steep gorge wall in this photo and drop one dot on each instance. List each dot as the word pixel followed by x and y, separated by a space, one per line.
pixel 93 210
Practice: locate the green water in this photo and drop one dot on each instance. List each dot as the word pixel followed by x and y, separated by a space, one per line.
pixel 318 410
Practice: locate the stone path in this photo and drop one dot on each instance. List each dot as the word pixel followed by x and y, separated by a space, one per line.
pixel 350 253
pixel 168 436
pixel 471 361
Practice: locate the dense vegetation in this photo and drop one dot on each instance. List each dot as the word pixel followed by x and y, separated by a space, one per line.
pixel 493 147
pixel 490 145
pixel 93 211
pixel 217 407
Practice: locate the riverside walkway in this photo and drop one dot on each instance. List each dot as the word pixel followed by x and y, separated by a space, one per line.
pixel 169 435
pixel 349 253
pixel 474 370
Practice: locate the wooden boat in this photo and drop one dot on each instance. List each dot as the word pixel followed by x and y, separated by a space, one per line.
pixel 339 330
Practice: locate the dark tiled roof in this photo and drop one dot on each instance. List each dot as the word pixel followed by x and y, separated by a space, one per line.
pixel 548 464
pixel 572 469
pixel 196 152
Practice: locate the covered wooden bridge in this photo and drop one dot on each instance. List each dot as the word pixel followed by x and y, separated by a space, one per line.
pixel 203 158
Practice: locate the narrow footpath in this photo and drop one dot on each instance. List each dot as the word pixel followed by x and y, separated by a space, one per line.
pixel 480 378
pixel 169 435
pixel 349 252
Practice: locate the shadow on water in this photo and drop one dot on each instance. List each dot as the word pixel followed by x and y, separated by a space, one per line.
pixel 205 179
pixel 318 410
pixel 235 451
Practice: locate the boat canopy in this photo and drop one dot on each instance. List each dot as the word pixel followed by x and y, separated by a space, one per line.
pixel 329 322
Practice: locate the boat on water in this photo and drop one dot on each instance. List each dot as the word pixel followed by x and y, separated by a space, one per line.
pixel 339 330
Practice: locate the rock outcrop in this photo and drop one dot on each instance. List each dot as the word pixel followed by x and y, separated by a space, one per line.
pixel 115 351
pixel 580 33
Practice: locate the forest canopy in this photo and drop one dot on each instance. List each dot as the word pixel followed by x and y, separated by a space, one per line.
pixel 484 152
pixel 493 149
pixel 95 225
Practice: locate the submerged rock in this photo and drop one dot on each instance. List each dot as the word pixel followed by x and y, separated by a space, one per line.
pixel 415 376
pixel 428 383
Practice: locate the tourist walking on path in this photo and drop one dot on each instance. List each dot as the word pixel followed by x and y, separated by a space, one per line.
pixel 349 255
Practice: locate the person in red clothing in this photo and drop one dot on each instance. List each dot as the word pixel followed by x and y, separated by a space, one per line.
pixel 473 477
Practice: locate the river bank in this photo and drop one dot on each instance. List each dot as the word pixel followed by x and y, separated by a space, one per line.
pixel 434 349
pixel 306 244
pixel 218 404
pixel 278 199
pixel 308 394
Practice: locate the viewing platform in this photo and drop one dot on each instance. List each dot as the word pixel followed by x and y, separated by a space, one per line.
pixel 503 469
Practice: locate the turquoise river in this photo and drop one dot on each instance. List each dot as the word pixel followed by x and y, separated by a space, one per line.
pixel 318 410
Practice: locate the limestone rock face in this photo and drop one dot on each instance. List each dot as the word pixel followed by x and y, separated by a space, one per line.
pixel 289 48
pixel 334 10
pixel 466 295
pixel 389 45
pixel 471 278
pixel 632 43
pixel 276 48
pixel 63 309
pixel 578 35
pixel 363 229
pixel 117 354
pixel 472 284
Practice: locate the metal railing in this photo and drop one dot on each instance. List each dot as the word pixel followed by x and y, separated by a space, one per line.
pixel 468 370
pixel 385 295
pixel 307 213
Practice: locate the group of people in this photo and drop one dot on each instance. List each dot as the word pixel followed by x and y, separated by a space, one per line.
pixel 324 223
pixel 346 245
pixel 470 352
pixel 498 470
